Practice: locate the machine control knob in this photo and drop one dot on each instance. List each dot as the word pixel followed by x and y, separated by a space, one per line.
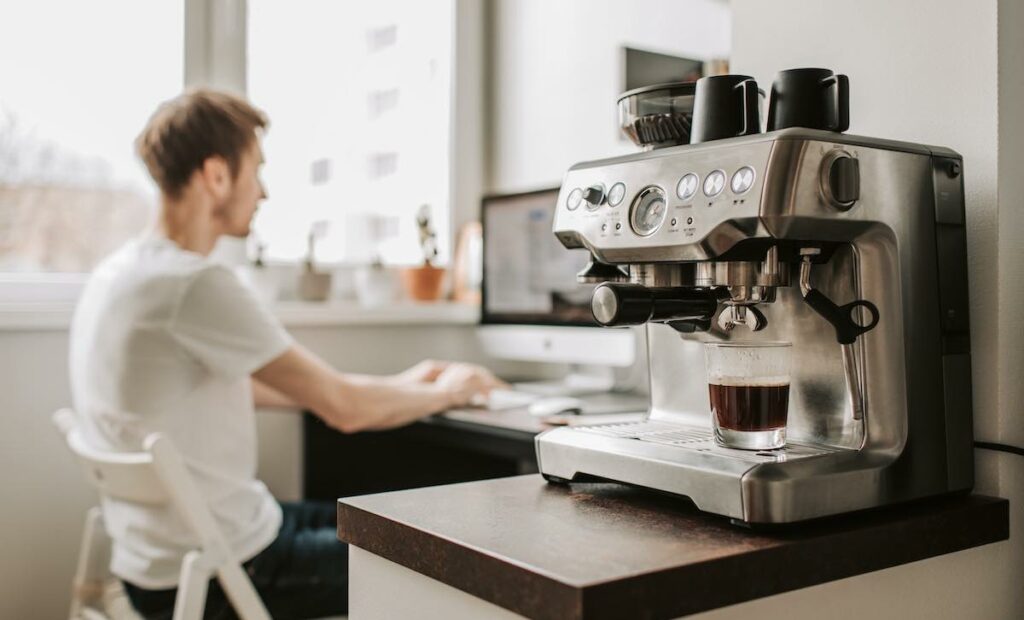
pixel 594 196
pixel 573 201
pixel 840 180
pixel 616 194
pixel 714 183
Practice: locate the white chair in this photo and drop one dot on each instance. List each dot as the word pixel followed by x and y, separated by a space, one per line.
pixel 157 475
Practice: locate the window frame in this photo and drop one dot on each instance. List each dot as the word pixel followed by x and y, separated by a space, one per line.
pixel 215 56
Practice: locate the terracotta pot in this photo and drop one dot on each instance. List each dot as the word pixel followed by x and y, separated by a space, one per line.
pixel 423 283
pixel 315 285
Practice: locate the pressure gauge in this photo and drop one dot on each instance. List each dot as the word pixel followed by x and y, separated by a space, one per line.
pixel 647 213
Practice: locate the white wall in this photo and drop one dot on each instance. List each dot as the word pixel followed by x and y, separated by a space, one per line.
pixel 949 73
pixel 557 69
pixel 1011 221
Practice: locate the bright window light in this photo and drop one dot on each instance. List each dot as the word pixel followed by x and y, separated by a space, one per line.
pixel 358 96
pixel 78 81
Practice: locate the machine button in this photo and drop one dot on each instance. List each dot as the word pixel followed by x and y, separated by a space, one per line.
pixel 687 186
pixel 742 180
pixel 714 183
pixel 840 180
pixel 573 201
pixel 616 194
pixel 594 196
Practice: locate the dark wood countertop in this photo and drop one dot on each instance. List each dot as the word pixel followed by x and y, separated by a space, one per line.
pixel 610 551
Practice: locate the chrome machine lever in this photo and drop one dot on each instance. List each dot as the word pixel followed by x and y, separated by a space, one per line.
pixel 843 319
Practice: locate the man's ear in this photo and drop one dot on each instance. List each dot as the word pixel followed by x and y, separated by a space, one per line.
pixel 216 175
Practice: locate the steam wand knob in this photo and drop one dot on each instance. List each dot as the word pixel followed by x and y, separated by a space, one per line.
pixel 842 318
pixel 846 326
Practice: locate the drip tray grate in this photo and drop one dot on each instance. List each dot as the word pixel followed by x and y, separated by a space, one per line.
pixel 701 440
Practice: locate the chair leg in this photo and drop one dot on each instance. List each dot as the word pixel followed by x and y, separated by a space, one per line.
pixel 190 601
pixel 242 594
pixel 92 570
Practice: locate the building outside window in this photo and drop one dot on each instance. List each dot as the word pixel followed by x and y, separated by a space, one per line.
pixel 72 100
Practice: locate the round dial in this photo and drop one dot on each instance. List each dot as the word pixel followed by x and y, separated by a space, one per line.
pixel 573 201
pixel 743 180
pixel 687 186
pixel 714 183
pixel 648 211
pixel 616 194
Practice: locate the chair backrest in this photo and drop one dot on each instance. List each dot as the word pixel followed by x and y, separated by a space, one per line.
pixel 128 476
pixel 155 476
pixel 158 475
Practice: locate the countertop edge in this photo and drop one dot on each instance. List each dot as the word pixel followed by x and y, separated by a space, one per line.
pixel 445 560
pixel 931 537
pixel 926 530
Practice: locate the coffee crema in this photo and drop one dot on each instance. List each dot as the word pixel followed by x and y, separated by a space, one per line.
pixel 754 407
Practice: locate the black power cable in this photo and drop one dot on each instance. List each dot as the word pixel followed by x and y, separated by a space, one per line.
pixel 999 447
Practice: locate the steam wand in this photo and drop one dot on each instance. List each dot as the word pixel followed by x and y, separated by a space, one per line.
pixel 846 325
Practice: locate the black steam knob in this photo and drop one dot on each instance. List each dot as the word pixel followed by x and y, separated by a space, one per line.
pixel 635 304
pixel 840 180
pixel 594 196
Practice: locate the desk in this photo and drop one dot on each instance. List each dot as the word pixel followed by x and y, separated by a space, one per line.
pixel 456 446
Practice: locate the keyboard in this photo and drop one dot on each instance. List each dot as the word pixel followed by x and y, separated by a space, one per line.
pixel 499 400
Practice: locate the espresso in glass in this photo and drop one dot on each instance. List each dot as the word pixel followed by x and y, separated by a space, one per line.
pixel 748 387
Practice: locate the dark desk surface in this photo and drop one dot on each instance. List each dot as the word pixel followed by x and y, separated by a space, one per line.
pixel 516 424
pixel 609 551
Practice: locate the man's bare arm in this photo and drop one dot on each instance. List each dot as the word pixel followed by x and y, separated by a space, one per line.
pixel 353 403
pixel 266 396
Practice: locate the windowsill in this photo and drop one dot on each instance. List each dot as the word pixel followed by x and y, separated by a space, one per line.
pixel 341 312
pixel 56 316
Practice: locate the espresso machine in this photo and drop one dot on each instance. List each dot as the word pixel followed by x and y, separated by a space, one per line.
pixel 851 248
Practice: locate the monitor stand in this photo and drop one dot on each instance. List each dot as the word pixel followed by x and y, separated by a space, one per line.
pixel 582 379
pixel 597 387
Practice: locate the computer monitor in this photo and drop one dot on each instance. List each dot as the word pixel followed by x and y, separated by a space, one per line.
pixel 533 309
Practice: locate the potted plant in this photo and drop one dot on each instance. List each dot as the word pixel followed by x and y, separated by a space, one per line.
pixel 314 285
pixel 425 282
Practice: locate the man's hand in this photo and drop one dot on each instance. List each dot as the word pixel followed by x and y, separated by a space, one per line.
pixel 465 381
pixel 353 403
pixel 426 371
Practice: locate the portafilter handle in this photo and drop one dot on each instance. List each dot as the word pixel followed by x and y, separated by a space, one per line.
pixel 634 304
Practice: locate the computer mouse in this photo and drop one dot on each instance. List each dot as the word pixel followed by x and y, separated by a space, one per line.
pixel 555 406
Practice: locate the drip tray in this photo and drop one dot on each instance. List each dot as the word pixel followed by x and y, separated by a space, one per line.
pixel 699 439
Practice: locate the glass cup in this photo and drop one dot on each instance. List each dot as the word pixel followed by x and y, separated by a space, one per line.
pixel 748 383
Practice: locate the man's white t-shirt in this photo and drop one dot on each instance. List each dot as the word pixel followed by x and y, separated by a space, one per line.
pixel 165 340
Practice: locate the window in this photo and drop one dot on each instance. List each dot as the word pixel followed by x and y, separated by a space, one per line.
pixel 77 82
pixel 358 96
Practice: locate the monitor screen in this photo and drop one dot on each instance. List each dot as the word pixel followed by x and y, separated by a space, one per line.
pixel 528 276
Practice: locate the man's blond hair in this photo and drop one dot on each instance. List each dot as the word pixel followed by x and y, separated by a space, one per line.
pixel 194 126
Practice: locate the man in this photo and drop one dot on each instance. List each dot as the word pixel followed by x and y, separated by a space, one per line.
pixel 166 340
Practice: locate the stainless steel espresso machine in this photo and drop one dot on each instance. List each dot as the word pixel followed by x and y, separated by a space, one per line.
pixel 851 248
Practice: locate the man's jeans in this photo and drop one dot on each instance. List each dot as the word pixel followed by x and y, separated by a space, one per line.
pixel 302 574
